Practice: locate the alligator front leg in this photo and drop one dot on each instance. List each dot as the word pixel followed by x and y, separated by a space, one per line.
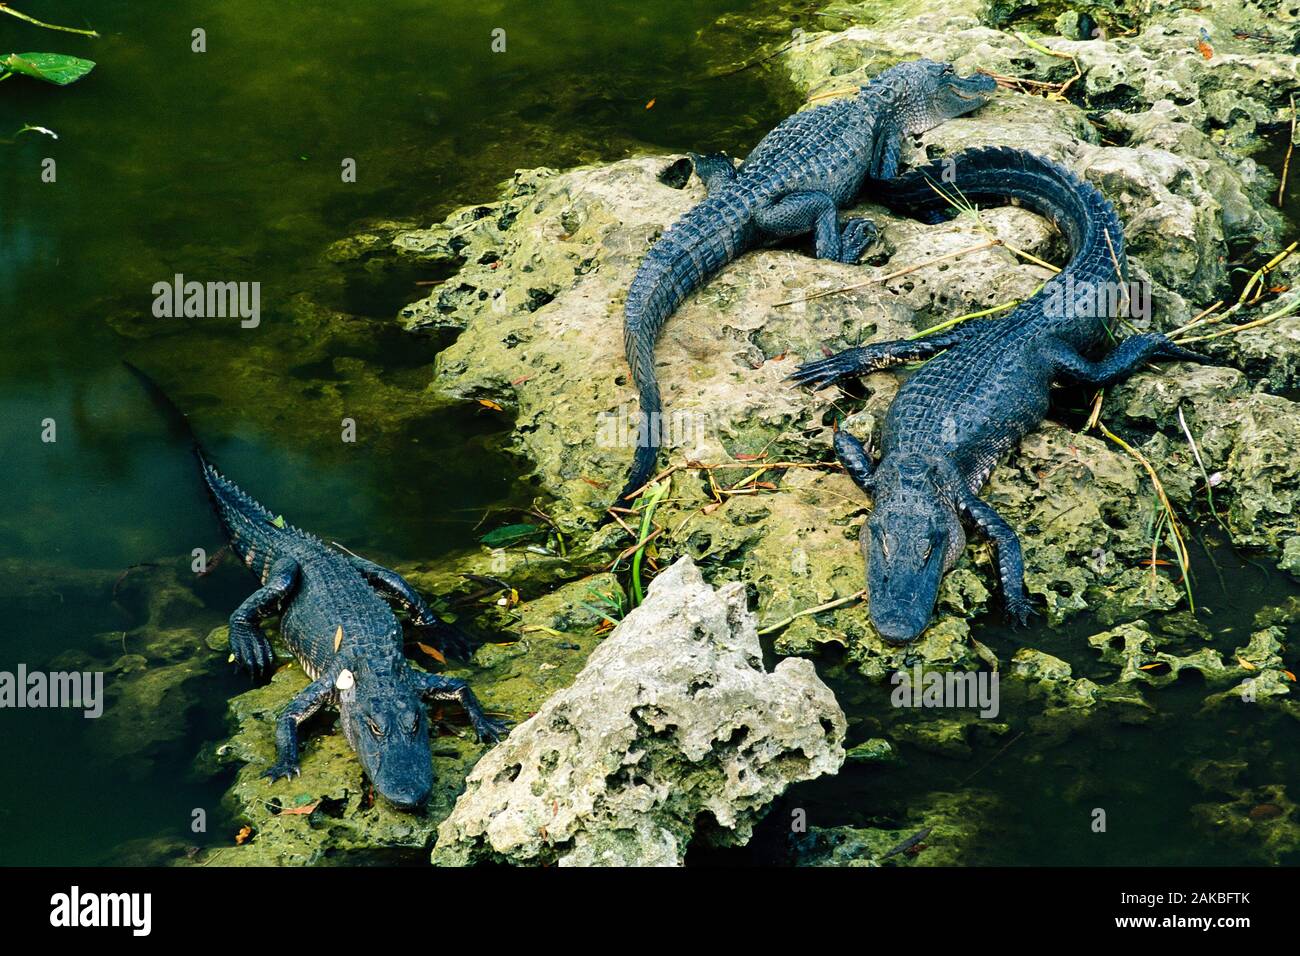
pixel 864 359
pixel 855 458
pixel 1123 361
pixel 1011 561
pixel 395 587
pixel 804 211
pixel 311 699
pixel 435 687
pixel 247 642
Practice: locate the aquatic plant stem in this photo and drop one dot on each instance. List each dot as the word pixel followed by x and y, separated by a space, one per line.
pixel 857 596
pixel 1286 162
pixel 647 516
pixel 5 8
pixel 894 275
pixel 1180 546
pixel 1196 453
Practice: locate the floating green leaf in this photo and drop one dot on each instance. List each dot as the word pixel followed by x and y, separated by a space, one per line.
pixel 278 521
pixel 58 68
pixel 511 534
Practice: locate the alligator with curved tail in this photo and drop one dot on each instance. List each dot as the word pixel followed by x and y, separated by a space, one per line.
pixel 986 387
pixel 795 181
pixel 342 632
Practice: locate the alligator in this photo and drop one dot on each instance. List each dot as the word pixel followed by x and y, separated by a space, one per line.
pixel 342 631
pixel 794 182
pixel 985 385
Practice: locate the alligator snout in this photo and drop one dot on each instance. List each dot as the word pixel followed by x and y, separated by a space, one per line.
pixel 410 799
pixel 900 623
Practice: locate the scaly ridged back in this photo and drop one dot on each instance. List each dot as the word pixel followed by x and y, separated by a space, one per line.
pixel 999 174
pixel 251 528
pixel 977 399
pixel 708 237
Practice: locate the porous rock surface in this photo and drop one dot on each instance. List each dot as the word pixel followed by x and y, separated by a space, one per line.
pixel 673 724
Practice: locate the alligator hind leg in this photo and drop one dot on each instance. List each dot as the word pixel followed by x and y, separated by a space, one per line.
pixel 870 358
pixel 435 687
pixel 311 699
pixel 800 212
pixel 1123 361
pixel 1011 561
pixel 395 587
pixel 715 170
pixel 247 642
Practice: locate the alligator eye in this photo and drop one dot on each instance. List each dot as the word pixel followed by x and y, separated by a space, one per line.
pixel 374 727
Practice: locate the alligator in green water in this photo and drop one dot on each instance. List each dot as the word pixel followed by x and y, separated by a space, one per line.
pixel 336 621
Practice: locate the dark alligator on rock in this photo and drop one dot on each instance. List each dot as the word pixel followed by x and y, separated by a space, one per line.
pixel 985 388
pixel 795 181
pixel 344 635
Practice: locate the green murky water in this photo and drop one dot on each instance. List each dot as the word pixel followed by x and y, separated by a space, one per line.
pixel 225 166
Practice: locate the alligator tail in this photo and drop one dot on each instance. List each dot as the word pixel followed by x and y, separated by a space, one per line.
pixel 1001 174
pixel 708 237
pixel 243 519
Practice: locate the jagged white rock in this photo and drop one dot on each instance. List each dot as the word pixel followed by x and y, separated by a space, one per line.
pixel 674 720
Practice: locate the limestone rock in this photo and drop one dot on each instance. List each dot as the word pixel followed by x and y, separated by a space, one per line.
pixel 673 721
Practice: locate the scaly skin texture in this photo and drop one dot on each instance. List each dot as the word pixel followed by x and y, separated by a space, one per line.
pixel 349 642
pixel 794 182
pixel 985 388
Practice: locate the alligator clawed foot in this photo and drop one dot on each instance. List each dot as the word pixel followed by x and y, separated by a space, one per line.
pixel 286 770
pixel 857 235
pixel 825 372
pixel 252 653
pixel 1172 350
pixel 490 730
pixel 1020 612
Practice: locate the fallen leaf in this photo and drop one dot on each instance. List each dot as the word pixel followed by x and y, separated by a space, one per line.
pixel 1289 676
pixel 300 811
pixel 521 380
pixel 533 628
pixel 1148 667
pixel 488 403
pixel 338 639
pixel 432 652
pixel 1246 664
pixel 243 836
pixel 747 457
pixel 650 105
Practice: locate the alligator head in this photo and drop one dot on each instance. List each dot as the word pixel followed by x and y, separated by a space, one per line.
pixel 384 720
pixel 929 93
pixel 911 540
